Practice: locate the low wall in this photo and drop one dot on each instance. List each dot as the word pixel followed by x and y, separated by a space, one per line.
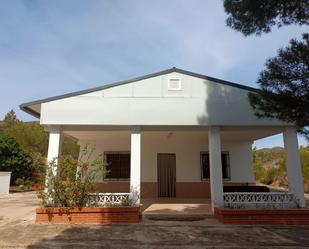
pixel 263 216
pixel 5 178
pixel 89 215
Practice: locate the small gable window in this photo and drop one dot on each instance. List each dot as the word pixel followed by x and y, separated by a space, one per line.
pixel 174 84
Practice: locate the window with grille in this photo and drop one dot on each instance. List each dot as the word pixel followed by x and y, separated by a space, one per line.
pixel 117 165
pixel 205 167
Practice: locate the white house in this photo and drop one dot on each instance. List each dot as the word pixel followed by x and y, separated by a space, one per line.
pixel 169 134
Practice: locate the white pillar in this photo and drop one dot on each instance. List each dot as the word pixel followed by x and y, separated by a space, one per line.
pixel 54 145
pixel 293 166
pixel 216 183
pixel 135 169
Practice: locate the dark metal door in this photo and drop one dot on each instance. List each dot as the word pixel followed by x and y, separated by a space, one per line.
pixel 167 175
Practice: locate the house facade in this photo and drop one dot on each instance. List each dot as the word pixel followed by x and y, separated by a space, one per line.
pixel 171 134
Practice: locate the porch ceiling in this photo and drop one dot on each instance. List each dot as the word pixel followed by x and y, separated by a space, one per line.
pixel 227 133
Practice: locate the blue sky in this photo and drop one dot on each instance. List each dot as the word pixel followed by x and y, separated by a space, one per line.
pixel 54 47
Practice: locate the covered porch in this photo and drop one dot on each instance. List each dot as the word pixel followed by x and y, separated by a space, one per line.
pixel 188 187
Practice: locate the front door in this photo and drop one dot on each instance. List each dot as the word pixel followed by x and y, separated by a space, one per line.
pixel 166 175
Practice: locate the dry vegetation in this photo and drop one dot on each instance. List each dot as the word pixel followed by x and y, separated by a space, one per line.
pixel 269 165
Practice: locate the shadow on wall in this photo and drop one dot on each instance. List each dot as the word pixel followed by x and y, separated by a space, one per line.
pixel 220 104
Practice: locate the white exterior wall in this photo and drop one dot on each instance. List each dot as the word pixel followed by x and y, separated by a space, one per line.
pixel 149 102
pixel 5 178
pixel 187 147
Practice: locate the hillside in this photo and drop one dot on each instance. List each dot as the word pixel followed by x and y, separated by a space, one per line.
pixel 269 165
pixel 270 157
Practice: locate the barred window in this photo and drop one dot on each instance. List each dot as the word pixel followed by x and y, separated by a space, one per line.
pixel 205 167
pixel 118 165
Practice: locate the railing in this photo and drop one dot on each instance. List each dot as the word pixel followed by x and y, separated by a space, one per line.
pixel 254 200
pixel 108 198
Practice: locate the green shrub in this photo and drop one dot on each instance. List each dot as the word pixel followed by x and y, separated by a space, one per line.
pixel 259 171
pixel 28 183
pixel 270 176
pixel 19 181
pixel 75 179
pixel 21 187
pixel 24 184
pixel 14 159
pixel 38 166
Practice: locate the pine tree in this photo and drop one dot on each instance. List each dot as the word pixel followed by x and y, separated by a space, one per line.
pixel 284 82
pixel 258 16
pixel 10 119
pixel 285 86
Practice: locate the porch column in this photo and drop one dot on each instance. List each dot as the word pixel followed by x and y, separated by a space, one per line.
pixel 135 169
pixel 216 184
pixel 54 146
pixel 293 166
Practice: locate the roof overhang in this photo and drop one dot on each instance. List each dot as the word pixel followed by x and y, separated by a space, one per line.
pixel 32 109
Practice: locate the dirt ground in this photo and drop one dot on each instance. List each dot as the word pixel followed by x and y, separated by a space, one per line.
pixel 17 230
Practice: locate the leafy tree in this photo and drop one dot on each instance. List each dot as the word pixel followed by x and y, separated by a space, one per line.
pixel 33 140
pixel 13 158
pixel 284 82
pixel 30 136
pixel 259 16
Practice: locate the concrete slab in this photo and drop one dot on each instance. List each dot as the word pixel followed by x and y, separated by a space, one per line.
pixel 176 209
pixel 176 206
pixel 153 234
pixel 18 207
pixel 179 208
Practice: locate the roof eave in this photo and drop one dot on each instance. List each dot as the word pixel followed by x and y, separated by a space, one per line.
pixel 27 109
